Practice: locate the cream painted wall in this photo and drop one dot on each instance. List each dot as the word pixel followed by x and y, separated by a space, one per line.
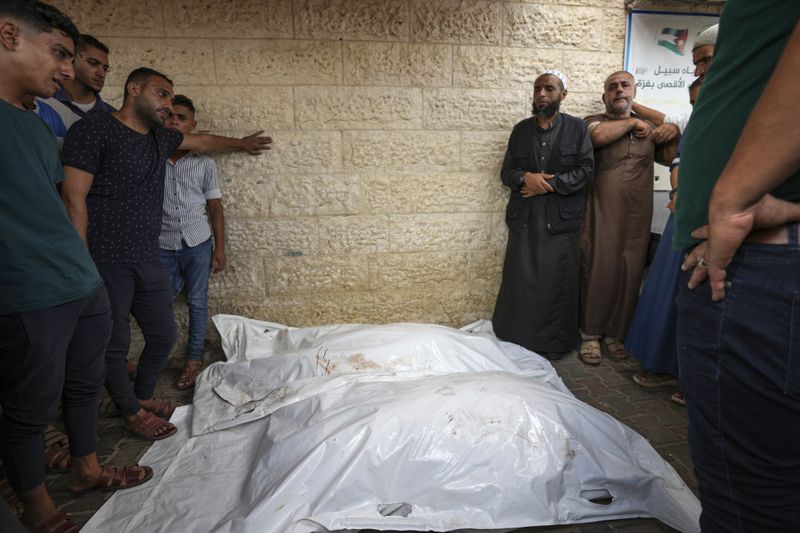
pixel 381 200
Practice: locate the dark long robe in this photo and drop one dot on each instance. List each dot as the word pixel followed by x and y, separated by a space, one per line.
pixel 537 305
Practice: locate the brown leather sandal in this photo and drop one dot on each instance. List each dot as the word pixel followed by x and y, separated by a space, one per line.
pixel 590 352
pixel 58 523
pixel 117 477
pixel 11 498
pixel 53 437
pixel 161 408
pixel 188 377
pixel 56 451
pixel 150 427
pixel 57 459
pixel 677 397
pixel 615 349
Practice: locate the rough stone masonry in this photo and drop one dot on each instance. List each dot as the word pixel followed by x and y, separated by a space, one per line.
pixel 381 200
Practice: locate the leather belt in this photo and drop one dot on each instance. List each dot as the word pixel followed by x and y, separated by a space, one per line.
pixel 779 235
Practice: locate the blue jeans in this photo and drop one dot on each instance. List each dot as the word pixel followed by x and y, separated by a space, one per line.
pixel 190 267
pixel 739 364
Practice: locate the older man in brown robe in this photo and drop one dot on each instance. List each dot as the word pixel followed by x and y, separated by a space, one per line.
pixel 616 230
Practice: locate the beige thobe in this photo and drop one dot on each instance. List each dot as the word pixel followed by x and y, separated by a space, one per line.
pixel 616 233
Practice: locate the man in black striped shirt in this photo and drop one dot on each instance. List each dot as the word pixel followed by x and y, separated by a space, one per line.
pixel 191 189
pixel 114 165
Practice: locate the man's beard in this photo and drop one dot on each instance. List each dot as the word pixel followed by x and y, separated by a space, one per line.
pixel 547 111
pixel 149 113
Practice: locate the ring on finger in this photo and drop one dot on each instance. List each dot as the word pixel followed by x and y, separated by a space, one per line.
pixel 701 262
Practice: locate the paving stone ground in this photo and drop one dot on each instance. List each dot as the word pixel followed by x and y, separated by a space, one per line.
pixel 608 386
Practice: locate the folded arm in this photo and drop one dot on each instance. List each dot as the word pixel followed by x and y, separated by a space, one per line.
pixel 603 133
pixel 647 113
pixel 578 178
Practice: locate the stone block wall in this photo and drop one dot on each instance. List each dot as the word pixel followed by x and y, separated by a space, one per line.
pixel 381 199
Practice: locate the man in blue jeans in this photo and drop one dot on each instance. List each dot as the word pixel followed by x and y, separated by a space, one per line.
pixel 191 190
pixel 739 333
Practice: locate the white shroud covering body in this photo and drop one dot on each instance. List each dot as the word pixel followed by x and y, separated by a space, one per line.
pixel 394 427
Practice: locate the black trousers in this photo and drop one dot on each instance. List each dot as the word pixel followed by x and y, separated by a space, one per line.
pixel 141 290
pixel 47 355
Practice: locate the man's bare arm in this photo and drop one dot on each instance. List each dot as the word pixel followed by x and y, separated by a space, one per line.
pixel 666 152
pixel 74 191
pixel 761 160
pixel 647 113
pixel 203 142
pixel 217 216
pixel 663 132
pixel 603 133
pixel 666 133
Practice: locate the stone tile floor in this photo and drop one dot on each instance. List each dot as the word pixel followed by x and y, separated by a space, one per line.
pixel 608 387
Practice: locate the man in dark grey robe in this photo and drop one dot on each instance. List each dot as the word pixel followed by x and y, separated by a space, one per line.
pixel 547 166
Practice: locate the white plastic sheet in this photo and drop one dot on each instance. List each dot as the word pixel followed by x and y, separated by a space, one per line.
pixel 395 427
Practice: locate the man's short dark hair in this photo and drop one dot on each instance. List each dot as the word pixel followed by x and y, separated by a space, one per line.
pixel 89 40
pixel 141 75
pixel 616 74
pixel 39 16
pixel 184 101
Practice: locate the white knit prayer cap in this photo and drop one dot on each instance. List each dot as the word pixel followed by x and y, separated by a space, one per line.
pixel 707 37
pixel 558 74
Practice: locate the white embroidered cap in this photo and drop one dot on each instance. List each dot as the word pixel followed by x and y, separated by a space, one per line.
pixel 558 74
pixel 707 37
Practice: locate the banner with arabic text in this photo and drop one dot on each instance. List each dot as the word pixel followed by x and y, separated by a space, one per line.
pixel 658 52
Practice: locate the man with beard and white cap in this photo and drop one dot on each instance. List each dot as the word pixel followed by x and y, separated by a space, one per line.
pixel 547 166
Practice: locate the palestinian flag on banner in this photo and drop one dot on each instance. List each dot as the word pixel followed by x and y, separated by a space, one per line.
pixel 673 39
